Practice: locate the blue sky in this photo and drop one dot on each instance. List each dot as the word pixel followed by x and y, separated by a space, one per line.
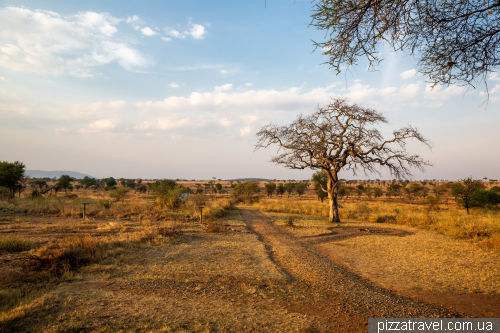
pixel 178 89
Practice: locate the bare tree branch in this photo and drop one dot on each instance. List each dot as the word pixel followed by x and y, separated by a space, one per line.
pixel 341 136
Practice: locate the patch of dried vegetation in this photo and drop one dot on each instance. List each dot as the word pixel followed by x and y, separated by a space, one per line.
pixel 482 226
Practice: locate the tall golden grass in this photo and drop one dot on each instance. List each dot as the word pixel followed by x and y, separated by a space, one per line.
pixel 63 206
pixel 481 225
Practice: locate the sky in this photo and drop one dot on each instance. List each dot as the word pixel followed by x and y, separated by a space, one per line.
pixel 178 89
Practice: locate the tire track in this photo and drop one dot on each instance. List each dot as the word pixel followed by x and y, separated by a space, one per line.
pixel 304 265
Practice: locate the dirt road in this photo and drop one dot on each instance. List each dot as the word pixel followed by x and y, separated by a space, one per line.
pixel 341 299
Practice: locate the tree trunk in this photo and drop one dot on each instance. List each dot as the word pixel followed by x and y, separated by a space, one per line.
pixel 334 208
pixel 333 197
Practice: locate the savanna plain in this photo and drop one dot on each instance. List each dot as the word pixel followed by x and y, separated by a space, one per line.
pixel 258 261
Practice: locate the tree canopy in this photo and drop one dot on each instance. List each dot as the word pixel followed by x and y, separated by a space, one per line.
pixel 341 136
pixel 11 176
pixel 454 41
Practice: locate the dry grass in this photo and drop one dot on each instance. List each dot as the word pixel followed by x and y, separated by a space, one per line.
pixel 481 226
pixel 130 275
pixel 14 245
pixel 423 261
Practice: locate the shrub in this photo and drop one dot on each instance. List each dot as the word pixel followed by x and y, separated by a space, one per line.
pixel 119 193
pixel 433 202
pixel 212 226
pixel 67 255
pixel 199 199
pixel 105 203
pixel 385 218
pixel 170 230
pixel 167 192
pixel 14 245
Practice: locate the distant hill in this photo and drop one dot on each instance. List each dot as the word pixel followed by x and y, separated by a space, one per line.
pixel 52 174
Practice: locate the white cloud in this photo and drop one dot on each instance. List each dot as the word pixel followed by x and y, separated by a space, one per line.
pixel 494 93
pixel 494 76
pixel 45 42
pixel 224 87
pixel 174 33
pixel 408 74
pixel 103 124
pixel 166 39
pixel 440 93
pixel 197 31
pixel 173 85
pixel 2 78
pixel 248 84
pixel 134 21
pixel 147 31
pixel 172 121
pixel 246 131
pixel 223 71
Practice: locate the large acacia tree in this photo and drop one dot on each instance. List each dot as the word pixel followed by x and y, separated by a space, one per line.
pixel 454 41
pixel 342 136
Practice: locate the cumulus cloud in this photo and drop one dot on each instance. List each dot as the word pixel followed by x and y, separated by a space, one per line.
pixel 494 93
pixel 166 39
pixel 173 85
pixel 103 124
pixel 147 31
pixel 224 87
pixel 174 33
pixel 45 42
pixel 441 93
pixel 408 74
pixel 494 76
pixel 246 131
pixel 197 31
pixel 134 21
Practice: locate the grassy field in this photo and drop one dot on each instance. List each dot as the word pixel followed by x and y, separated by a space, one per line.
pixel 136 266
pixel 480 226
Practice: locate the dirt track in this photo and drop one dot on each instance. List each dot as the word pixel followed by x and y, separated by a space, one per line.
pixel 343 300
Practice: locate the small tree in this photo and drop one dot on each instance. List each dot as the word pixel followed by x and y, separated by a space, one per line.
pixel 300 188
pixel 110 182
pixel 463 192
pixel 88 181
pixel 64 182
pixel 167 192
pixel 320 181
pixel 377 192
pixel 270 188
pixel 141 188
pixel 11 176
pixel 289 188
pixel 280 190
pixel 340 136
pixel 246 189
